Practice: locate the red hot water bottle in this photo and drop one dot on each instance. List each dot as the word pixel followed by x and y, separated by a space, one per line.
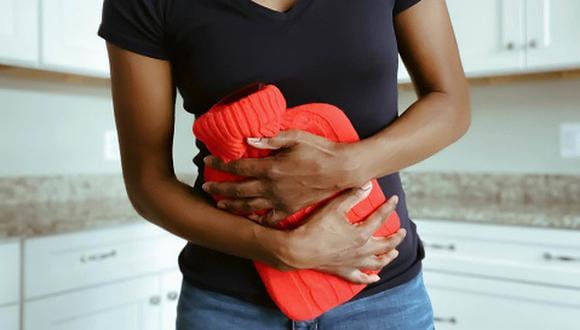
pixel 260 111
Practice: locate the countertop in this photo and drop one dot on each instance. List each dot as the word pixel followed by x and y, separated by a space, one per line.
pixel 35 207
pixel 565 216
pixel 48 218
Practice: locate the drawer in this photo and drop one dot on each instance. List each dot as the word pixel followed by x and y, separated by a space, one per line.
pixel 461 302
pixel 63 262
pixel 528 254
pixel 126 305
pixel 9 272
pixel 10 317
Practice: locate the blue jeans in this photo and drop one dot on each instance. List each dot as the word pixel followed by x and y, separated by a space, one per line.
pixel 405 307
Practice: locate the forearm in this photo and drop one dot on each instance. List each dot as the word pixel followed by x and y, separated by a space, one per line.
pixel 430 124
pixel 175 207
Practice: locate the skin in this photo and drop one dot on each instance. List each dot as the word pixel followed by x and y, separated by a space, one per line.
pixel 305 169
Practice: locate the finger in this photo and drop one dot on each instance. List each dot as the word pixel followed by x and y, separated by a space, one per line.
pixel 358 277
pixel 245 205
pixel 378 262
pixel 254 167
pixel 236 189
pixel 345 201
pixel 254 217
pixel 374 221
pixel 273 217
pixel 284 139
pixel 382 245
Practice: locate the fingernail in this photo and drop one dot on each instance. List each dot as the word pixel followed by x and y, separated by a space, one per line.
pixel 394 199
pixel 206 160
pixel 221 204
pixel 374 277
pixel 205 186
pixel 393 254
pixel 367 186
pixel 254 139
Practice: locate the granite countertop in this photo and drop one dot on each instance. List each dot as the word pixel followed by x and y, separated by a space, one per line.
pixel 31 207
pixel 47 218
pixel 558 216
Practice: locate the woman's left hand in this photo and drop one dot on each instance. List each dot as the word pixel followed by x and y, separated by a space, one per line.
pixel 304 170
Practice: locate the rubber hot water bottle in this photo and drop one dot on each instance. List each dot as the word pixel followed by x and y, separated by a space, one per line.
pixel 259 110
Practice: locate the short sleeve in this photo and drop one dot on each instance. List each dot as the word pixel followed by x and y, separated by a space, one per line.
pixel 135 25
pixel 401 5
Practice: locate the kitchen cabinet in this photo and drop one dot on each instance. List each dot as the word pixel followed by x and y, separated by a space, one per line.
pixel 553 33
pixel 9 285
pixel 69 37
pixel 539 255
pixel 123 277
pixel 10 272
pixel 170 288
pixel 10 317
pixel 19 32
pixel 514 36
pixel 483 276
pixel 147 303
pixel 461 302
pixel 127 305
pixel 489 34
pixel 76 260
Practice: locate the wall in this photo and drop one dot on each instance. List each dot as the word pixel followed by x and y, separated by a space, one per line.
pixel 49 128
pixel 515 129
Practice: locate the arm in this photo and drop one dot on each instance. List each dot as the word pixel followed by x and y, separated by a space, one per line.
pixel 143 99
pixel 441 115
pixel 438 118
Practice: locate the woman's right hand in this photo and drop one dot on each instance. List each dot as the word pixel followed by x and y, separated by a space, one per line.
pixel 329 242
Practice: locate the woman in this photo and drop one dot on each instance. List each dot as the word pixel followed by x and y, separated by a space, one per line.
pixel 335 51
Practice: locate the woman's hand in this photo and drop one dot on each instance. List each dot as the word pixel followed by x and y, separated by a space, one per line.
pixel 329 242
pixel 306 169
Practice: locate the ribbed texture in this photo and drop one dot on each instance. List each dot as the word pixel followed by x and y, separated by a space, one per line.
pixel 302 294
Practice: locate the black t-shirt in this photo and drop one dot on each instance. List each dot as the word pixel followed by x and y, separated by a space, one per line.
pixel 342 52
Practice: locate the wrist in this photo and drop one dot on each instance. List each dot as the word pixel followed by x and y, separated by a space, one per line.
pixel 275 246
pixel 360 159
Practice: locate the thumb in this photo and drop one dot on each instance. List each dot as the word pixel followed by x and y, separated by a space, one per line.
pixel 284 139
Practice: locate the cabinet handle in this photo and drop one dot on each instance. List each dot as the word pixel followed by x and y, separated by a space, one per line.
pixel 450 320
pixel 437 246
pixel 510 45
pixel 172 295
pixel 154 300
pixel 549 256
pixel 98 256
pixel 533 44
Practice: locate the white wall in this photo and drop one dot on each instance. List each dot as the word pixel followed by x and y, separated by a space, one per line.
pixel 515 129
pixel 49 128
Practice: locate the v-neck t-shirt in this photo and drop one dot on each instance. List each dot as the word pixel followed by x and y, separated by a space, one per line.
pixel 342 52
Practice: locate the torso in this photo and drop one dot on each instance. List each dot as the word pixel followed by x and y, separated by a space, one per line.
pixel 341 52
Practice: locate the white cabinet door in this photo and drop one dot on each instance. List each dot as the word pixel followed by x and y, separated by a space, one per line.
pixel 170 287
pixel 461 302
pixel 19 32
pixel 9 272
pixel 553 33
pixel 131 305
pixel 9 317
pixel 490 35
pixel 69 37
